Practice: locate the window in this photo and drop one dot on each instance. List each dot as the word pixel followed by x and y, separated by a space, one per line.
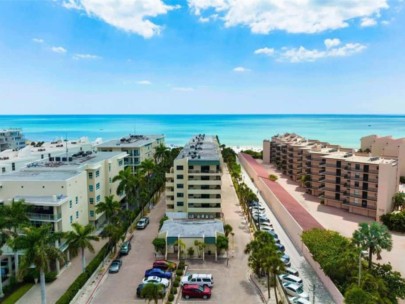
pixel 109 167
pixel 180 176
pixel 3 170
pixel 13 166
pixel 98 198
pixel 91 200
pixel 71 219
pixel 357 166
pixel 97 186
pixel 180 194
pixel 110 180
pixel 190 167
pixel 180 204
pixel 97 173
pixel 77 200
pixel 91 213
pixel 77 214
pixel 179 168
pixel 180 186
pixel 120 163
pixel 91 188
pixel 70 204
pixel 90 175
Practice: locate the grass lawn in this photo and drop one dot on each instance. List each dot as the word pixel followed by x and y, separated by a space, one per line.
pixel 17 294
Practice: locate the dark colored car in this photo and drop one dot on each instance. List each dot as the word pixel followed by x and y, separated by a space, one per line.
pixel 196 291
pixel 140 287
pixel 280 247
pixel 115 266
pixel 143 222
pixel 164 265
pixel 254 204
pixel 157 272
pixel 125 248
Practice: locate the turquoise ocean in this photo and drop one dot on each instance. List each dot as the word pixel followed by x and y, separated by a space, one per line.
pixel 233 130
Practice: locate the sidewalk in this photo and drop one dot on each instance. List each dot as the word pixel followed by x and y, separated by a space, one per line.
pixel 56 289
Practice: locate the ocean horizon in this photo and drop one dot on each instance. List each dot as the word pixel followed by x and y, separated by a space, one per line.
pixel 232 129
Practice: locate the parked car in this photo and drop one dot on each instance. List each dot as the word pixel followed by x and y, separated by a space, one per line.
pixel 140 287
pixel 266 228
pixel 164 264
pixel 115 266
pixel 142 223
pixel 261 220
pixel 256 213
pixel 257 208
pixel 295 290
pixel 253 203
pixel 293 271
pixel 156 280
pixel 196 291
pixel 298 300
pixel 289 278
pixel 158 273
pixel 125 248
pixel 273 234
pixel 198 279
pixel 286 260
pixel 280 247
pixel 270 225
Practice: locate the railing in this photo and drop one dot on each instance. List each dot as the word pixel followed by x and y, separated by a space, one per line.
pixel 204 171
pixel 44 217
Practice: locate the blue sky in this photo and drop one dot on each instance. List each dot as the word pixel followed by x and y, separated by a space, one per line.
pixel 202 56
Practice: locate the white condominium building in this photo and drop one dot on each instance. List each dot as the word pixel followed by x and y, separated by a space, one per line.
pixel 193 186
pixel 137 147
pixel 11 139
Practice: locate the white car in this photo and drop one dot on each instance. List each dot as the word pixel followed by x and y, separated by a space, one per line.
pixel 198 279
pixel 266 228
pixel 289 278
pixel 295 290
pixel 298 300
pixel 156 280
pixel 259 208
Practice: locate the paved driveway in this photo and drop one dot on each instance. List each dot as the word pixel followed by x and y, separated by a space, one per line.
pixel 120 288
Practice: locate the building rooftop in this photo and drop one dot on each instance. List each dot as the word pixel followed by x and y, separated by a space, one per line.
pixel 201 147
pixel 51 200
pixel 131 141
pixel 352 157
pixel 190 228
pixel 39 175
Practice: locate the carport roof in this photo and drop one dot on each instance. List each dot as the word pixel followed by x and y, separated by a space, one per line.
pixel 190 228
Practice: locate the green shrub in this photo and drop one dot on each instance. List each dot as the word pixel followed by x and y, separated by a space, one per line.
pixel 17 294
pixel 179 272
pixel 181 265
pixel 50 276
pixel 159 244
pixel 176 284
pixel 174 290
pixel 171 297
pixel 273 177
pixel 394 221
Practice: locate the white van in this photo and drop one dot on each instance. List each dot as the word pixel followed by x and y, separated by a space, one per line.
pixel 199 279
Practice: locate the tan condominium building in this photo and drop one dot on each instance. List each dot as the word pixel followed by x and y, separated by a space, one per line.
pixel 64 190
pixel 193 186
pixel 342 178
pixel 137 147
pixel 11 139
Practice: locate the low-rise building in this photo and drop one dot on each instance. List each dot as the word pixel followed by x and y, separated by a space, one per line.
pixel 11 139
pixel 137 147
pixel 358 182
pixel 193 185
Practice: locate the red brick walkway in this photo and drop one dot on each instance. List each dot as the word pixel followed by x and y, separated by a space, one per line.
pixel 299 213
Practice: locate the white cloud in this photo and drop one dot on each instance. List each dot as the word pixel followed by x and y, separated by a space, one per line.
pixel 38 40
pixel 182 89
pixel 240 69
pixel 58 49
pixel 292 16
pixel 85 57
pixel 265 51
pixel 302 54
pixel 329 43
pixel 365 22
pixel 128 15
pixel 144 82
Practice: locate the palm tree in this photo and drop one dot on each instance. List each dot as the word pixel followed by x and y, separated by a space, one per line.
pixel 374 237
pixel 14 216
pixel 114 233
pixel 40 250
pixel 80 238
pixel 146 168
pixel 152 292
pixel 110 207
pixel 399 200
pixel 126 184
pixel 161 152
pixel 275 266
pixel 181 247
pixel 228 229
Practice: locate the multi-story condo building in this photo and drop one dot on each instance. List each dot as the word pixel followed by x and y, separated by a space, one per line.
pixel 12 160
pixel 137 147
pixel 11 139
pixel 193 186
pixel 357 182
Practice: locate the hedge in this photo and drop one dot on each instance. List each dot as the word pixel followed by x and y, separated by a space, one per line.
pixel 394 221
pixel 77 284
pixel 17 294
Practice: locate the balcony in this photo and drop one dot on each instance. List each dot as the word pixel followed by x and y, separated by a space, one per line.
pixel 204 191
pixel 204 172
pixel 44 217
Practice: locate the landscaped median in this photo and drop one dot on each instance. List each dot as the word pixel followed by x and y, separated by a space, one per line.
pixel 17 294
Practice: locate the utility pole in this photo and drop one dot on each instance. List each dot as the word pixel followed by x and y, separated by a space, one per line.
pixel 313 292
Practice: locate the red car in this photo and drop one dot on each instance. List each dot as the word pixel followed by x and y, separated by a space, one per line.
pixel 164 265
pixel 196 291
